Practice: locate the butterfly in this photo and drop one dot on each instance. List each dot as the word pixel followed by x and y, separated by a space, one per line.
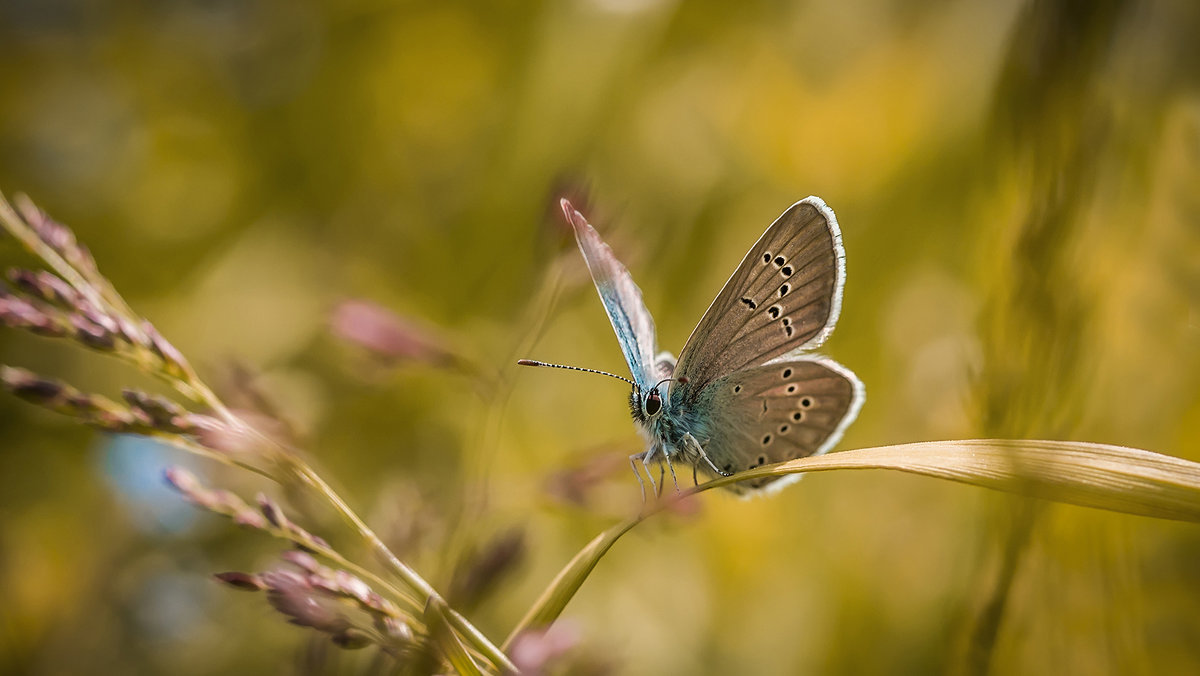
pixel 747 390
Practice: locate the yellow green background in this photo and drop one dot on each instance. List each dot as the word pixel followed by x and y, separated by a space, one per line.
pixel 1017 185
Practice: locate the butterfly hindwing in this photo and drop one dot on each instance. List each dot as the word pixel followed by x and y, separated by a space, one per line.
pixel 784 296
pixel 621 297
pixel 778 411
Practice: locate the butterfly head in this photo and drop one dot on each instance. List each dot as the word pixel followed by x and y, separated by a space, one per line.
pixel 647 405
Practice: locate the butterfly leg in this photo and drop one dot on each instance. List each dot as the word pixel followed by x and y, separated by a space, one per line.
pixel 696 448
pixel 633 465
pixel 713 467
pixel 662 474
pixel 695 481
pixel 671 466
pixel 646 466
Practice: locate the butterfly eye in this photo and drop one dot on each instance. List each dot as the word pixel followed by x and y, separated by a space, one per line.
pixel 653 403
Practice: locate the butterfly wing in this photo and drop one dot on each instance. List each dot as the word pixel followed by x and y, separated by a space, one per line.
pixel 621 297
pixel 784 297
pixel 778 411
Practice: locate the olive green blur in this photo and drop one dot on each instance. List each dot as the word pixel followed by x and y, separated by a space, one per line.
pixel 1018 187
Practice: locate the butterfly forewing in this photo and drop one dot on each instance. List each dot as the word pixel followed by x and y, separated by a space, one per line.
pixel 784 296
pixel 776 412
pixel 621 297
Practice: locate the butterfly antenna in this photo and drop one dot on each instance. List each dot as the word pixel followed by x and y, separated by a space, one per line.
pixel 681 381
pixel 530 362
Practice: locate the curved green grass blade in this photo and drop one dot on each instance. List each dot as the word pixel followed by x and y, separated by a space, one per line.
pixel 452 648
pixel 568 581
pixel 1115 478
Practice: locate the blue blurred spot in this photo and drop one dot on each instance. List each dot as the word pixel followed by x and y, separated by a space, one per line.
pixel 133 466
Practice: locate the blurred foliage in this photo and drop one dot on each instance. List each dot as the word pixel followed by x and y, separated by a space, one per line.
pixel 1016 184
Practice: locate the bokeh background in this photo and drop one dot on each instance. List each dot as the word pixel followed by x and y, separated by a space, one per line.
pixel 1017 188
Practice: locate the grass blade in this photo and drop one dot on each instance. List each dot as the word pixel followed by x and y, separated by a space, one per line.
pixel 452 648
pixel 568 581
pixel 1114 478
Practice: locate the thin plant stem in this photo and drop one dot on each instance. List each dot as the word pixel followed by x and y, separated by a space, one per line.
pixel 97 291
pixel 25 234
pixel 401 569
pixel 185 444
pixel 189 446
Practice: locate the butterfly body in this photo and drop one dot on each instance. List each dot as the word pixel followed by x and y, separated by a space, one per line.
pixel 747 390
pixel 663 426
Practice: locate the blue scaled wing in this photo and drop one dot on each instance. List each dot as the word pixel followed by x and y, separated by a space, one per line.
pixel 621 297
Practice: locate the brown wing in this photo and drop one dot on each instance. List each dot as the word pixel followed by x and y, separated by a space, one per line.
pixel 785 296
pixel 776 412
